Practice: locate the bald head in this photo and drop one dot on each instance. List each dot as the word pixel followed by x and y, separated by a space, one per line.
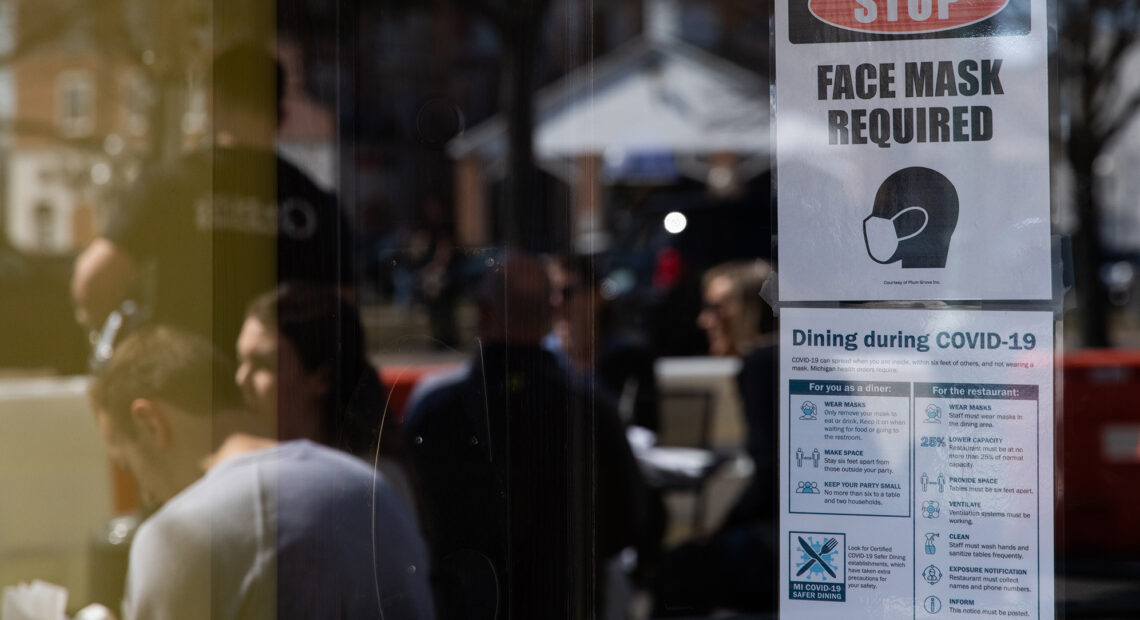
pixel 514 301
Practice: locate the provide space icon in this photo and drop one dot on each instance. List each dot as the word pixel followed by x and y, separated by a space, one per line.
pixel 914 216
pixel 926 481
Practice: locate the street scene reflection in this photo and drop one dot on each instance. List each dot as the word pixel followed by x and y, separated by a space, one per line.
pixel 472 310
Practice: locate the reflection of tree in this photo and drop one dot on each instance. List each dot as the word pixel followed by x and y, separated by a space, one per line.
pixel 160 41
pixel 1097 38
pixel 159 44
pixel 519 25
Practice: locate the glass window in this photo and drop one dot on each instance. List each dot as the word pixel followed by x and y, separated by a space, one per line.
pixel 566 274
pixel 75 104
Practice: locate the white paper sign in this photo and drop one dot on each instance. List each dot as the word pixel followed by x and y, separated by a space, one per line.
pixel 912 149
pixel 916 466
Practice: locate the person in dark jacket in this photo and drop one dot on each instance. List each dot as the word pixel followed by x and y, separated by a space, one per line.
pixel 598 344
pixel 197 238
pixel 527 479
pixel 734 568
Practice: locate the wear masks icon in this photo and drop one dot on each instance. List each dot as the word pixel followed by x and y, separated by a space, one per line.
pixel 881 235
pixel 912 220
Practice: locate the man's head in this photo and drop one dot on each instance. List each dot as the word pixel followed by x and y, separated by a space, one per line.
pixel 514 301
pixel 733 315
pixel 154 402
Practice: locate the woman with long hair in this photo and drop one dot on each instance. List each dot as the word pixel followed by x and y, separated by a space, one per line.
pixel 303 362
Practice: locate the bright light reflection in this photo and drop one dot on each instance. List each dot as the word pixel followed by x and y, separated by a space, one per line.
pixel 675 222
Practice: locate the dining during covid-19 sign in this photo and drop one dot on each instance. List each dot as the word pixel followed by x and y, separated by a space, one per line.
pixel 916 464
pixel 912 150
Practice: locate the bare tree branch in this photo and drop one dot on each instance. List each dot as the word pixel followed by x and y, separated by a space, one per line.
pixel 1120 45
pixel 1122 119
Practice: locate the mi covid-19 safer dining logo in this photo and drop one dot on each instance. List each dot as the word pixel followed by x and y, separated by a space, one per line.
pixel 818 570
pixel 839 21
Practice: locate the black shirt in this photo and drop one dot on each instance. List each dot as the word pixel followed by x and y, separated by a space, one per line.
pixel 526 465
pixel 223 226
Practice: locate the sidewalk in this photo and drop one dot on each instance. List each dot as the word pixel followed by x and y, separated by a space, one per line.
pixel 395 337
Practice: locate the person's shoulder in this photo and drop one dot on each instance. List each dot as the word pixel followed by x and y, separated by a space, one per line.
pixel 223 489
pixel 190 501
pixel 293 181
pixel 309 454
pixel 180 526
pixel 308 467
pixel 434 394
pixel 171 177
pixel 297 462
pixel 322 482
pixel 287 167
pixel 169 567
pixel 759 359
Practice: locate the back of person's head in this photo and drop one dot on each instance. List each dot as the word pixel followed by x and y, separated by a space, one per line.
pixel 748 318
pixel 247 79
pixel 169 365
pixel 514 301
pixel 326 332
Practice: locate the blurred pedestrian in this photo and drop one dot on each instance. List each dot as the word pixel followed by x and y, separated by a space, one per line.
pixel 598 346
pixel 197 238
pixel 557 338
pixel 529 483
pixel 439 277
pixel 617 361
pixel 733 568
pixel 246 527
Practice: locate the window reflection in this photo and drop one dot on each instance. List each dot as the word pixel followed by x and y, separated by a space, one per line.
pixel 399 160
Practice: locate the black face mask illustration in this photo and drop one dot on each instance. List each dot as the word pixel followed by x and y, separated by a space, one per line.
pixel 915 213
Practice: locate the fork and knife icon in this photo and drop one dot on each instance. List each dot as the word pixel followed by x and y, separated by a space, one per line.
pixel 828 546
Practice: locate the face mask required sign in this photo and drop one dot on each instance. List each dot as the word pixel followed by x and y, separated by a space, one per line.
pixel 916 464
pixel 912 149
